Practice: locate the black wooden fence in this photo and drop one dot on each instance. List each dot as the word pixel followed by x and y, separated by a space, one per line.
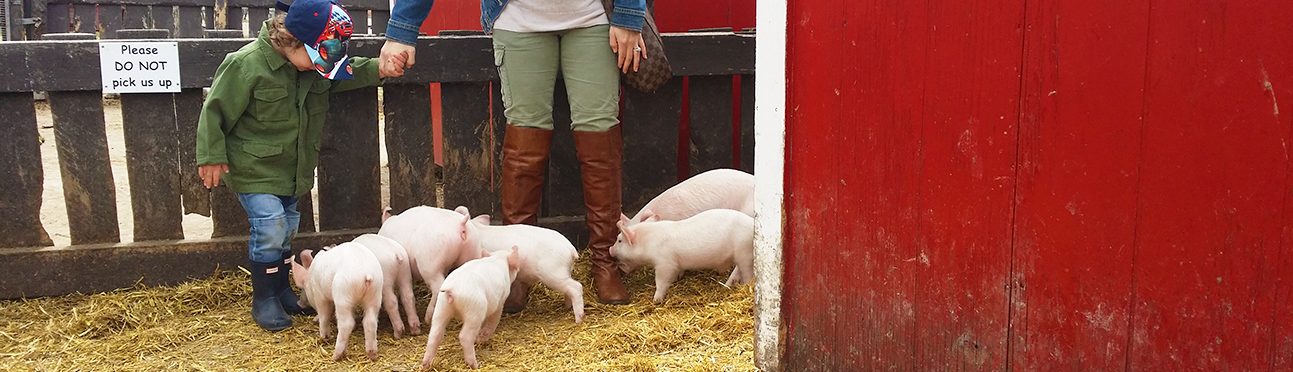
pixel 159 138
pixel 184 18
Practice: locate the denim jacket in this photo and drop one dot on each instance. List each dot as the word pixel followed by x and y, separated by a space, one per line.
pixel 407 17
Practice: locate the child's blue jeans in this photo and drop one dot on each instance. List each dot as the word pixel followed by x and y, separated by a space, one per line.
pixel 274 220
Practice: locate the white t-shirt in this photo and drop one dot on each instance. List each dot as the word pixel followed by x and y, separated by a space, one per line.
pixel 550 15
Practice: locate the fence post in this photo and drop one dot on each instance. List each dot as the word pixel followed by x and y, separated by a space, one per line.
pixel 88 186
pixel 349 171
pixel 409 145
pixel 650 142
pixel 21 174
pixel 152 154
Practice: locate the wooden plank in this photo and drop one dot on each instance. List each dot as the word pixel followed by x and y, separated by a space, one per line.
pixel 1079 150
pixel 368 4
pixel 711 123
pixel 379 21
pixel 305 206
pixel 500 119
pixel 471 140
pixel 27 9
pixel 1282 340
pixel 966 112
pixel 349 179
pixel 1214 167
pixel 650 130
pixel 209 17
pixel 83 76
pixel 700 54
pixel 88 183
pixel 58 18
pixel 138 2
pixel 853 261
pixel 234 19
pixel 360 20
pixel 24 179
pixel 409 146
pixel 227 216
pixel 157 33
pixel 883 339
pixel 163 16
pixel 86 19
pixel 106 267
pixel 189 24
pixel 224 36
pixel 136 17
pixel 472 58
pixel 747 123
pixel 19 57
pixel 442 59
pixel 810 314
pixel 460 33
pixel 256 18
pixel 349 4
pixel 148 124
pixel 111 19
pixel 188 107
pixel 560 197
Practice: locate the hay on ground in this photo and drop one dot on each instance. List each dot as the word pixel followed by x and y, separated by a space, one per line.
pixel 204 325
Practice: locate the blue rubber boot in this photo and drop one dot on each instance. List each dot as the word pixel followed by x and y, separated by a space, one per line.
pixel 265 307
pixel 287 298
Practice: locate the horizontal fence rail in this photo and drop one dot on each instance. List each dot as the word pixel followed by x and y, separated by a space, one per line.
pixel 184 18
pixel 444 59
pixel 159 131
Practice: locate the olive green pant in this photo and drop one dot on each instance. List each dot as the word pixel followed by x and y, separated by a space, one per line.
pixel 528 63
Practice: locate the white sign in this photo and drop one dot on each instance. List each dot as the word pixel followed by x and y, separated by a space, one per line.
pixel 140 67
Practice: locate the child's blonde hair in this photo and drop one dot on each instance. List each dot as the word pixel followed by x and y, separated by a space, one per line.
pixel 278 34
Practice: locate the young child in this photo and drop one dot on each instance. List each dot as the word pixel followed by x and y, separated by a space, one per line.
pixel 260 127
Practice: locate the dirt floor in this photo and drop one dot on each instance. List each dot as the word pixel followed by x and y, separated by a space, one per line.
pixel 205 325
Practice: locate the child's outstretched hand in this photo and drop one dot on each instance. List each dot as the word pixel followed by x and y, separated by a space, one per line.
pixel 211 174
pixel 394 66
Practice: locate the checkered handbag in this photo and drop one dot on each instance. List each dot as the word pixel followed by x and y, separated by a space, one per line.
pixel 654 71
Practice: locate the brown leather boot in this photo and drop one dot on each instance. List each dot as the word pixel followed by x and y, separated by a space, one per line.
pixel 525 159
pixel 600 158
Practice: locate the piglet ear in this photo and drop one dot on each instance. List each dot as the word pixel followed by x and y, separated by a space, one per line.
pixel 627 231
pixel 386 214
pixel 623 218
pixel 462 210
pixel 462 228
pixel 307 258
pixel 647 215
pixel 514 258
pixel 482 219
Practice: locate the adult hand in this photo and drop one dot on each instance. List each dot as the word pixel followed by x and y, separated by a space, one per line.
pixel 629 48
pixel 390 57
pixel 393 67
pixel 211 174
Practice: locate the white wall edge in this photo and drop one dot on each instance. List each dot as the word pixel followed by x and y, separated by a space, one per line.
pixel 769 174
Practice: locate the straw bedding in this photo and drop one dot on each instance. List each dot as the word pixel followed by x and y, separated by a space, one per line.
pixel 204 325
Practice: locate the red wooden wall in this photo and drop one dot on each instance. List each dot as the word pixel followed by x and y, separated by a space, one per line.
pixel 1039 185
